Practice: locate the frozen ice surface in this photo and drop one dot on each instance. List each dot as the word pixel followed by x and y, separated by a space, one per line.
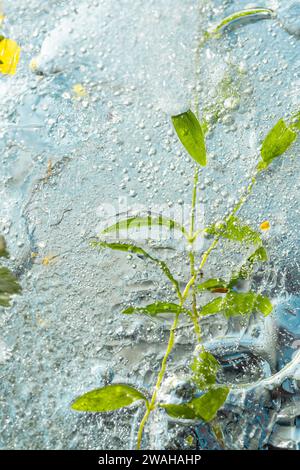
pixel 70 155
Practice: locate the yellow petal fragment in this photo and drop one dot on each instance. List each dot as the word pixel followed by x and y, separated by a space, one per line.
pixel 79 90
pixel 9 56
pixel 265 225
pixel 48 259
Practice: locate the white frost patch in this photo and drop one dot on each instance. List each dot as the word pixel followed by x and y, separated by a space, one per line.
pixel 166 392
pixel 5 352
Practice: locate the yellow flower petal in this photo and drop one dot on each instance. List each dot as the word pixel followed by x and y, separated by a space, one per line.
pixel 265 225
pixel 9 56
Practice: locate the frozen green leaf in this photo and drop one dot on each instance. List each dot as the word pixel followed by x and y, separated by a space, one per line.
pixel 109 398
pixel 236 231
pixel 183 411
pixel 120 246
pixel 259 255
pixel 8 286
pixel 263 304
pixel 238 303
pixel 191 135
pixel 148 221
pixel 208 404
pixel 204 407
pixel 156 309
pixel 205 368
pixel 212 284
pixel 212 307
pixel 130 248
pixel 278 140
pixel 251 13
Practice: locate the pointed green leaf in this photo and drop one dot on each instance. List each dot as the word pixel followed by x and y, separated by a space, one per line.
pixel 139 222
pixel 8 286
pixel 263 304
pixel 205 368
pixel 278 140
pixel 120 246
pixel 130 248
pixel 260 255
pixel 3 249
pixel 179 411
pixel 156 309
pixel 236 231
pixel 212 307
pixel 204 407
pixel 208 405
pixel 238 303
pixel 109 398
pixel 212 284
pixel 259 13
pixel 191 135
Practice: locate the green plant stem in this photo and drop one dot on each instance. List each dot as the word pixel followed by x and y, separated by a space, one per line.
pixel 162 371
pixel 194 197
pixel 192 256
pixel 160 377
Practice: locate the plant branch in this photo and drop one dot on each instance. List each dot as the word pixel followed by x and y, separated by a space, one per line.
pixel 192 256
pixel 160 377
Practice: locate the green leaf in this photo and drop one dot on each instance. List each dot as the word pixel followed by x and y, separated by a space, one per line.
pixel 278 140
pixel 259 255
pixel 234 230
pixel 130 248
pixel 208 405
pixel 109 398
pixel 215 306
pixel 156 309
pixel 191 135
pixel 238 303
pixel 259 13
pixel 120 246
pixel 3 251
pixel 140 222
pixel 8 286
pixel 212 284
pixel 205 368
pixel 204 407
pixel 183 411
pixel 264 305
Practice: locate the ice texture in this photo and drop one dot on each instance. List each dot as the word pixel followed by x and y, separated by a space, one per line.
pixel 70 159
